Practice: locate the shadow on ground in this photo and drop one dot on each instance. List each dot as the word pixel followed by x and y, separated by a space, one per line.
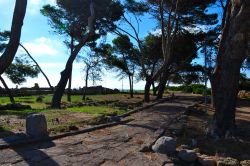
pixel 197 123
pixel 28 154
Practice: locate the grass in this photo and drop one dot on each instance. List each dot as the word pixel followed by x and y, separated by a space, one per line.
pixel 22 113
pixel 69 118
pixel 98 110
pixel 4 128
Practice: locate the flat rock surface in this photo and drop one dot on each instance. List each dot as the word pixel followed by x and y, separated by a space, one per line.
pixel 118 145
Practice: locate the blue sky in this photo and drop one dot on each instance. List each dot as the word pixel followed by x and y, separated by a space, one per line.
pixel 48 49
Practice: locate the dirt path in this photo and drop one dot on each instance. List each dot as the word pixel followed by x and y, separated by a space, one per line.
pixel 117 145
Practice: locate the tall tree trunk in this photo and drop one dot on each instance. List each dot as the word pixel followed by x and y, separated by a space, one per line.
pixel 130 87
pixel 65 75
pixel 162 84
pixel 155 89
pixel 12 100
pixel 231 54
pixel 15 35
pixel 70 78
pixel 45 76
pixel 86 83
pixel 69 87
pixel 147 90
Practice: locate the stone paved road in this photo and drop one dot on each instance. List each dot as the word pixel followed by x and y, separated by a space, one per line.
pixel 118 145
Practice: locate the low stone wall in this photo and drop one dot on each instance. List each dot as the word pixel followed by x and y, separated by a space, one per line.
pixel 45 91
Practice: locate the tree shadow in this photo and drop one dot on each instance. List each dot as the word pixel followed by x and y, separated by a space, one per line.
pixel 29 153
pixel 243 103
pixel 196 126
pixel 141 126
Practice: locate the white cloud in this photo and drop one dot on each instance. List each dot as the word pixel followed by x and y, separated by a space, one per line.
pixel 60 65
pixel 34 6
pixel 43 46
pixel 156 32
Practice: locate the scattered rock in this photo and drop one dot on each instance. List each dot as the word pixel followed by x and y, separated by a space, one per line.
pixel 184 147
pixel 176 126
pixel 227 162
pixel 114 118
pixel 145 148
pixel 183 117
pixel 187 155
pixel 99 120
pixel 245 163
pixel 165 145
pixel 207 161
pixel 169 164
pixel 197 150
pixel 36 125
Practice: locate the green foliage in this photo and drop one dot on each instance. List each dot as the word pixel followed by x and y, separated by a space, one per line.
pixel 20 69
pixel 122 55
pixel 136 7
pixel 22 113
pixel 193 88
pixel 4 37
pixel 4 128
pixel 188 75
pixel 70 18
pixel 98 110
pixel 244 82
pixel 191 13
pixel 152 45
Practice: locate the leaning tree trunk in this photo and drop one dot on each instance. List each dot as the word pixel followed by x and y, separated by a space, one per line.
pixel 12 100
pixel 38 66
pixel 147 90
pixel 15 35
pixel 162 84
pixel 155 89
pixel 231 54
pixel 70 78
pixel 69 86
pixel 65 75
pixel 131 86
pixel 86 83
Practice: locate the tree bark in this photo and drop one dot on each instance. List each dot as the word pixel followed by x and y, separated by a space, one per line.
pixel 65 75
pixel 162 85
pixel 131 86
pixel 15 35
pixel 86 83
pixel 70 78
pixel 147 90
pixel 69 87
pixel 155 89
pixel 12 100
pixel 231 54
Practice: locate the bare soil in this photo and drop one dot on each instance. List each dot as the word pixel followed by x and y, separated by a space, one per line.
pixel 196 127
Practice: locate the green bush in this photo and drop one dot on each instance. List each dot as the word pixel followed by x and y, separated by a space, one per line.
pixel 193 88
